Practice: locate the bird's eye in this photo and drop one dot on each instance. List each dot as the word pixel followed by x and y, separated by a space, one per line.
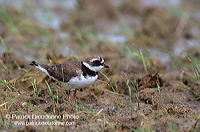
pixel 97 63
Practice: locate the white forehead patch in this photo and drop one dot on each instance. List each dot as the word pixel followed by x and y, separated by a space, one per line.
pixel 102 61
pixel 93 68
pixel 94 59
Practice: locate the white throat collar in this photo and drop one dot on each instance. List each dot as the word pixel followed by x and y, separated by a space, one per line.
pixel 93 68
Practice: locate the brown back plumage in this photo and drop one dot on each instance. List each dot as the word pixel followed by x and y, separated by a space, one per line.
pixel 64 71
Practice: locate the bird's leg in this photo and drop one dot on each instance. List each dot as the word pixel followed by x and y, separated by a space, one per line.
pixel 75 96
pixel 68 94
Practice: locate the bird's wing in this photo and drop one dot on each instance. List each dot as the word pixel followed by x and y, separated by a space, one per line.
pixel 64 71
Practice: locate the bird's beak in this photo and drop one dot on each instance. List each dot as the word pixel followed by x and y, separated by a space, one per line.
pixel 106 66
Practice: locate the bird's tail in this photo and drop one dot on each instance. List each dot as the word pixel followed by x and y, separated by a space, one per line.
pixel 39 66
pixel 33 63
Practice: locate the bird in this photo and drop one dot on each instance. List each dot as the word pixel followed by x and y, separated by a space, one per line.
pixel 74 74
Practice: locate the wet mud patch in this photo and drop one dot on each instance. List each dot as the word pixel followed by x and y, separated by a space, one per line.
pixel 150 81
pixel 121 83
pixel 174 93
pixel 152 17
pixel 178 111
pixel 193 85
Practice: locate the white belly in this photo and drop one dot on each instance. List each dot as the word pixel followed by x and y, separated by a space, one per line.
pixel 81 82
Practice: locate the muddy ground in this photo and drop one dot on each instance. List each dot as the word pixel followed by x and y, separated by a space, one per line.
pixel 152 48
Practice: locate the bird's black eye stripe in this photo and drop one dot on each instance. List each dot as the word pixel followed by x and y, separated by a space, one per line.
pixel 100 59
pixel 97 63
